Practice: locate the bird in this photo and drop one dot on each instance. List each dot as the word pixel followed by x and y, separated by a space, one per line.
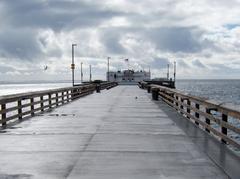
pixel 45 68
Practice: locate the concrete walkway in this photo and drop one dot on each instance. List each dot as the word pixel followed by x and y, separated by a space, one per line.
pixel 119 133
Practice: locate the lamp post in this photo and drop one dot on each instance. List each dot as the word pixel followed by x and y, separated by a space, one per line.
pixel 81 73
pixel 108 68
pixel 73 65
pixel 90 73
pixel 174 74
pixel 149 69
pixel 167 71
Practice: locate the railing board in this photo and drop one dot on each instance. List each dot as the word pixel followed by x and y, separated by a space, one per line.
pixel 222 107
pixel 53 98
pixel 187 104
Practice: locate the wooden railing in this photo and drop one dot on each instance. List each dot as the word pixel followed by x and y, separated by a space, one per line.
pixel 164 82
pixel 16 107
pixel 108 85
pixel 209 115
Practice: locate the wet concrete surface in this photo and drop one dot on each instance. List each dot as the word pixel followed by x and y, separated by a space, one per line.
pixel 119 133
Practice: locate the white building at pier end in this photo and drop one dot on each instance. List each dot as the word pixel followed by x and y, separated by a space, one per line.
pixel 128 76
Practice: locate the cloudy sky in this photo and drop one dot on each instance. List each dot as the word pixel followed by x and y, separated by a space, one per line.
pixel 203 37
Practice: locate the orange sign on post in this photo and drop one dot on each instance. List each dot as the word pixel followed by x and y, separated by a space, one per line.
pixel 72 66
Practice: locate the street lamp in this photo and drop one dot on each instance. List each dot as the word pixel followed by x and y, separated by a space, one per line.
pixel 81 73
pixel 174 73
pixel 73 65
pixel 90 73
pixel 168 71
pixel 108 68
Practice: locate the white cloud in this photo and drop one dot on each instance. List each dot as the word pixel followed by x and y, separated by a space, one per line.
pixel 193 33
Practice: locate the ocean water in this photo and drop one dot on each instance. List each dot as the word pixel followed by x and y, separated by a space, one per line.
pixel 227 91
pixel 7 89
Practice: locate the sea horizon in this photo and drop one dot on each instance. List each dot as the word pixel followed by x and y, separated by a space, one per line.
pixel 225 90
pixel 78 81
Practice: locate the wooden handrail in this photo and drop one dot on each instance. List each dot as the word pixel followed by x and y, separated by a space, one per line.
pixel 198 110
pixel 221 107
pixel 21 105
pixel 12 98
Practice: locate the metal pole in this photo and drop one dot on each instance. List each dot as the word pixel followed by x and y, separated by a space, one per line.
pixel 73 65
pixel 108 70
pixel 149 71
pixel 174 71
pixel 90 73
pixel 168 71
pixel 81 73
pixel 224 129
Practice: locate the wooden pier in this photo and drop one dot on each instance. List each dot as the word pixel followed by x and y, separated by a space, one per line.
pixel 117 133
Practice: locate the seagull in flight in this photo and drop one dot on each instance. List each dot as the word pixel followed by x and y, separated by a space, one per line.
pixel 45 68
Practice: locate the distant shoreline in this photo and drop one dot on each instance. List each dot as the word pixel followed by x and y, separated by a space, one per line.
pixel 33 82
pixel 78 81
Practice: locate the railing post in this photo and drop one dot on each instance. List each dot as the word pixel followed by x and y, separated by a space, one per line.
pixel 19 109
pixel 50 100
pixel 82 90
pixel 57 99
pixel 3 107
pixel 155 92
pixel 196 113
pixel 172 101
pixel 176 97
pixel 67 96
pixel 224 129
pixel 32 106
pixel 72 94
pixel 181 106
pixel 63 97
pixel 77 93
pixel 149 89
pixel 98 88
pixel 208 111
pixel 42 104
pixel 188 108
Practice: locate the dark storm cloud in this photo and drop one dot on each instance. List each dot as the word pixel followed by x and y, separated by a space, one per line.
pixel 175 39
pixel 24 44
pixel 171 39
pixel 224 69
pixel 22 21
pixel 159 63
pixel 43 30
pixel 19 43
pixel 111 40
pixel 182 63
pixel 231 26
pixel 55 14
pixel 198 63
pixel 5 69
pixel 62 15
